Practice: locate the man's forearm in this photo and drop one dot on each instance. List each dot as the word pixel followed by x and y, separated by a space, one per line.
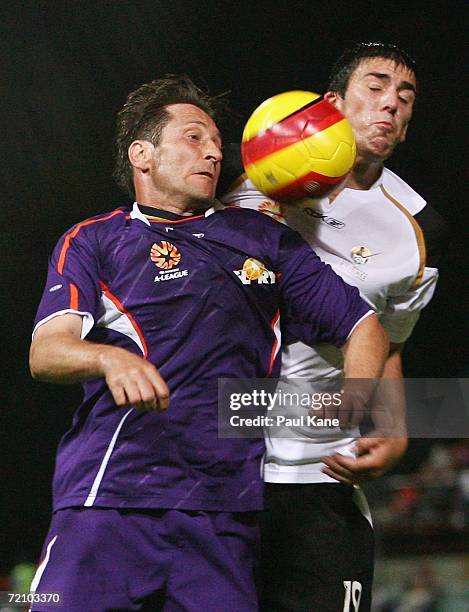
pixel 59 355
pixel 381 450
pixel 65 359
pixel 388 407
pixel 366 350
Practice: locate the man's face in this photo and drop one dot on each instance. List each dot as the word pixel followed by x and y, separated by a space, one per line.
pixel 186 162
pixel 378 103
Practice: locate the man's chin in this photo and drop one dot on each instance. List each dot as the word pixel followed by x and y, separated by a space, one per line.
pixel 381 148
pixel 197 202
pixel 377 153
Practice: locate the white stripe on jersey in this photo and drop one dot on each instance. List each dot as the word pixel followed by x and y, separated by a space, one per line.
pixel 99 476
pixel 114 319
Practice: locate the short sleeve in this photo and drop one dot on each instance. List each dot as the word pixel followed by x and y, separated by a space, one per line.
pixel 72 284
pixel 402 312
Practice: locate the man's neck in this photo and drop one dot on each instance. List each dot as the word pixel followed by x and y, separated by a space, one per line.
pixel 183 210
pixel 364 174
pixel 151 212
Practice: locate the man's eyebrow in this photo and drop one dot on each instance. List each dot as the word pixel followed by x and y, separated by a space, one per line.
pixel 203 124
pixel 385 77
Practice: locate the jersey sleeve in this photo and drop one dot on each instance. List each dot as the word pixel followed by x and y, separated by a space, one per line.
pixel 320 307
pixel 402 312
pixel 72 284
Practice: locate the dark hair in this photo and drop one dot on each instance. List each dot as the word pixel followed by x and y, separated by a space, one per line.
pixel 144 115
pixel 352 56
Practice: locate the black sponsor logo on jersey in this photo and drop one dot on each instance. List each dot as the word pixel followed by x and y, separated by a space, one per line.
pixel 325 218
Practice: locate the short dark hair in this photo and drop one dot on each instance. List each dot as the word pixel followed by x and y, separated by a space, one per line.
pixel 144 115
pixel 353 55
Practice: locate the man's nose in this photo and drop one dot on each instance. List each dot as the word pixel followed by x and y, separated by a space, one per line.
pixel 390 100
pixel 213 151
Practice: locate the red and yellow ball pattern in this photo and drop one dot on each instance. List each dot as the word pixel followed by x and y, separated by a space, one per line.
pixel 297 145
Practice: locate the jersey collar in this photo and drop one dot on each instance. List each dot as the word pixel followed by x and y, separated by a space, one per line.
pixel 136 213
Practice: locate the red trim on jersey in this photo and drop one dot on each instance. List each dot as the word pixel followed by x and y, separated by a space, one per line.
pixel 118 304
pixel 311 119
pixel 273 353
pixel 160 220
pixel 73 233
pixel 73 297
pixel 296 189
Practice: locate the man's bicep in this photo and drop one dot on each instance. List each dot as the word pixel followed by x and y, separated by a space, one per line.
pixel 68 323
pixel 52 343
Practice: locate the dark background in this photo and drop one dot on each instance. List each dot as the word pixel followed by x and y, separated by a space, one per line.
pixel 65 70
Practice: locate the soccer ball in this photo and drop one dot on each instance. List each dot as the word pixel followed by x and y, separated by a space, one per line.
pixel 297 145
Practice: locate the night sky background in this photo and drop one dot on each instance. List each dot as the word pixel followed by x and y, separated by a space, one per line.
pixel 66 67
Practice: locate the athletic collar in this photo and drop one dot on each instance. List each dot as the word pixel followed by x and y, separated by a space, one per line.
pixel 144 213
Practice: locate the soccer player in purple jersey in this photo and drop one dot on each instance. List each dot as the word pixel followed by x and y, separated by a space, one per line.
pixel 148 307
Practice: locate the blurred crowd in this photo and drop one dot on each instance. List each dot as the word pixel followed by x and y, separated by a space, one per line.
pixel 422 527
pixel 434 499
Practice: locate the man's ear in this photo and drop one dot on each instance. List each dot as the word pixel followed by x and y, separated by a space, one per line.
pixel 140 154
pixel 336 100
pixel 331 97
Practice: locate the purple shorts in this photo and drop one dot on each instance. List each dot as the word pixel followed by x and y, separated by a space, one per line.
pixel 103 559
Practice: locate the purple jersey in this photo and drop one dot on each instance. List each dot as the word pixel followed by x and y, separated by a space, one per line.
pixel 200 297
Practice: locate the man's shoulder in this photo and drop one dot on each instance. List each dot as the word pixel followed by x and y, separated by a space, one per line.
pixel 116 216
pixel 432 224
pixel 402 192
pixel 104 221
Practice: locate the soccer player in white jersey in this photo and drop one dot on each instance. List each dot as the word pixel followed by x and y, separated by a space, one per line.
pixel 379 235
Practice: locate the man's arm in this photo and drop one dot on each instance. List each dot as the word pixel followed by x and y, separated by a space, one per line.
pixel 59 355
pixel 376 455
pixel 364 358
pixel 366 349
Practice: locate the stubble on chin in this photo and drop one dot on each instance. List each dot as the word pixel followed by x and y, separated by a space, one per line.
pixel 197 203
pixel 374 151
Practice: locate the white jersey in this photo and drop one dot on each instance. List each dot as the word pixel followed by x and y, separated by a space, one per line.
pixel 372 240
